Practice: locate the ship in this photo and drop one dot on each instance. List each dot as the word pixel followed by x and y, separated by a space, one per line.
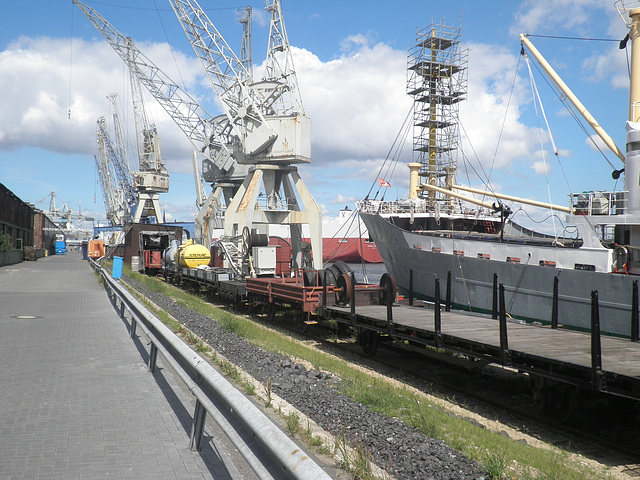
pixel 450 239
pixel 344 238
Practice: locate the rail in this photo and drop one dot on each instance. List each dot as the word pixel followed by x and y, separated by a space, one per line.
pixel 267 450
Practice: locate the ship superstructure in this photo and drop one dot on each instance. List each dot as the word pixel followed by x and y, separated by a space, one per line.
pixel 448 230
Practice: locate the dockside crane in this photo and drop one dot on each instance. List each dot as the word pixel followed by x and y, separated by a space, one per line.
pixel 268 127
pixel 115 204
pixel 115 174
pixel 257 141
pixel 152 178
pixel 208 135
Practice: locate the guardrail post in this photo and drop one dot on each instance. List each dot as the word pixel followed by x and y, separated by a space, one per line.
pixel 494 302
pixel 122 309
pixel 437 318
pixel 554 303
pixel 596 348
pixel 153 357
pixel 411 287
pixel 505 354
pixel 197 427
pixel 635 327
pixel 132 330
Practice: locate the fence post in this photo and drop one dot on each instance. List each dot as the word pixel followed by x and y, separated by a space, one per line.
pixel 634 313
pixel 494 302
pixel 447 305
pixel 353 298
pixel 554 303
pixel 596 348
pixel 505 355
pixel 390 297
pixel 411 287
pixel 437 319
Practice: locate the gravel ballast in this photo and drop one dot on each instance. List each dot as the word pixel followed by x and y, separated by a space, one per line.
pixel 397 448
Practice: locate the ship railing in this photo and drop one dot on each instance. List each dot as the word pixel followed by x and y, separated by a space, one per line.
pixel 598 203
pixel 417 207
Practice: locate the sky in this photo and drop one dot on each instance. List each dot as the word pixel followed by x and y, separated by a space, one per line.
pixel 56 71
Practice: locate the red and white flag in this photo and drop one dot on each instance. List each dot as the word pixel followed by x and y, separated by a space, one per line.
pixel 383 183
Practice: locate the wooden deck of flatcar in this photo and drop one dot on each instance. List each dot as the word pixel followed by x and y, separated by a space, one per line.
pixel 568 356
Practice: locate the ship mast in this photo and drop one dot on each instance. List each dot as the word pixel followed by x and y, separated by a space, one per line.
pixel 437 82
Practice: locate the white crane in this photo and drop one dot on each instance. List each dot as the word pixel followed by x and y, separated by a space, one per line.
pixel 257 141
pixel 268 126
pixel 208 135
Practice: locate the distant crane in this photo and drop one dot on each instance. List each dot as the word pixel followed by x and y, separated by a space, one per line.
pixel 208 135
pixel 115 175
pixel 152 178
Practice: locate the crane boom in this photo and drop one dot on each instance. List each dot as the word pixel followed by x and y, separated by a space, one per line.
pixel 279 65
pixel 211 137
pixel 242 105
pixel 118 192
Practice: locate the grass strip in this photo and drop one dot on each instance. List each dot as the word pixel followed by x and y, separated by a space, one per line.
pixel 501 456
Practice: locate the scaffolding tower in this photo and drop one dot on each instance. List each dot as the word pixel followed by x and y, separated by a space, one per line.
pixel 437 82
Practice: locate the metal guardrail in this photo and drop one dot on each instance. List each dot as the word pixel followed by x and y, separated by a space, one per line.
pixel 267 450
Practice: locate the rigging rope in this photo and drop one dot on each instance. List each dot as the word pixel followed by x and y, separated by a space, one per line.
pixel 536 94
pixel 401 135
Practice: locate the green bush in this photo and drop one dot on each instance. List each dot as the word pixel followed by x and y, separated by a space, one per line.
pixel 5 242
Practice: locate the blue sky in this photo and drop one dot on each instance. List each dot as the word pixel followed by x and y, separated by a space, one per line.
pixel 351 65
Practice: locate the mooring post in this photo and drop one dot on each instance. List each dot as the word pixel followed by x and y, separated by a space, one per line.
pixel 554 303
pixel 437 319
pixel 596 348
pixel 411 287
pixel 494 303
pixel 504 340
pixel 447 305
pixel 634 313
pixel 197 427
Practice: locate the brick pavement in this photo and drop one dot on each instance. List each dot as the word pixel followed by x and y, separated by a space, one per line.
pixel 76 400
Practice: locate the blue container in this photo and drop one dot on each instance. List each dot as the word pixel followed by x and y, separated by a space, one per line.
pixel 85 250
pixel 117 268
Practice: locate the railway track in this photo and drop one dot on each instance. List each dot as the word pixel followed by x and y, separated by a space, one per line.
pixel 601 429
pixel 608 436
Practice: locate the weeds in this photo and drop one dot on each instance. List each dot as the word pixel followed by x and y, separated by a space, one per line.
pixel 495 464
pixel 293 423
pixel 267 391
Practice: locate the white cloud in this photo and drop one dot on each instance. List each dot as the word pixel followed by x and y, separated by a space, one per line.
pixel 356 102
pixel 541 16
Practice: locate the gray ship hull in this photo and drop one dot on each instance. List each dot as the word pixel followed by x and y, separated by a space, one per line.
pixel 528 287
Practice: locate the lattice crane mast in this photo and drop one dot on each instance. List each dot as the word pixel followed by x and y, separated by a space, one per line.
pixel 116 194
pixel 208 135
pixel 269 128
pixel 152 178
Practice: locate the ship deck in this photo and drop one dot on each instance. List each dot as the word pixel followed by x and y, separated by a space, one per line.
pixel 595 362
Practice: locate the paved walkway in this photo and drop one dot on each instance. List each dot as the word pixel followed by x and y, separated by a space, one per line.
pixel 76 400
